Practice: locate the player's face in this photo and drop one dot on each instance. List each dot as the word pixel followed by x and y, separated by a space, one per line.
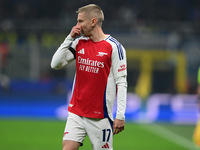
pixel 85 23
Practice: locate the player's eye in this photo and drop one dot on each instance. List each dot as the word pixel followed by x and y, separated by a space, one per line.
pixel 79 21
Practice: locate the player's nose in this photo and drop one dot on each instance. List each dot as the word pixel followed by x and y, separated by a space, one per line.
pixel 78 25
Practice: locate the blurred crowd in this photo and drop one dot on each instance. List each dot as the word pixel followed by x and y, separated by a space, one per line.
pixel 147 10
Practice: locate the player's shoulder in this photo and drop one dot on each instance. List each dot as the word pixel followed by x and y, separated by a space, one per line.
pixel 118 49
pixel 113 41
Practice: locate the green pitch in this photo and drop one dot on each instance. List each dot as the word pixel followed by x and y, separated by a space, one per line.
pixel 47 135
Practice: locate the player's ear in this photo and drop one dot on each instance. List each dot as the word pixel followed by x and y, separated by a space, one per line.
pixel 94 22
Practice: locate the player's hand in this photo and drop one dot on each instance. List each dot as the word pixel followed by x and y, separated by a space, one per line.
pixel 118 126
pixel 76 31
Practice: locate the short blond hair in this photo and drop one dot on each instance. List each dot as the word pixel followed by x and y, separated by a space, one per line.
pixel 93 10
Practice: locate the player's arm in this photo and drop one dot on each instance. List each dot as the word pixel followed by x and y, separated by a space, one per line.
pixel 119 122
pixel 65 54
pixel 119 65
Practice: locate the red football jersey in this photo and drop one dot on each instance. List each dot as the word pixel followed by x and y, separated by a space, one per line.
pixel 93 63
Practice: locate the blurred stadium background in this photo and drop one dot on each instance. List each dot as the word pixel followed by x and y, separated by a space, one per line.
pixel 162 39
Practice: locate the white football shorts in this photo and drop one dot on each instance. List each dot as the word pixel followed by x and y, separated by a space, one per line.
pixel 99 131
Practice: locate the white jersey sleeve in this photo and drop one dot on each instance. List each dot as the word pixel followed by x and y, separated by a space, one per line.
pixel 63 55
pixel 119 68
pixel 121 98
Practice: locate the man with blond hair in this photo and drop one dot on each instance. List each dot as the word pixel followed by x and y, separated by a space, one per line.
pixel 100 71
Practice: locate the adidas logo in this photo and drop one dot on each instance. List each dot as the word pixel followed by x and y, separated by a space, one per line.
pixel 82 51
pixel 105 146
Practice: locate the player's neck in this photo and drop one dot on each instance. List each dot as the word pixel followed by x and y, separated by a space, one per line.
pixel 97 35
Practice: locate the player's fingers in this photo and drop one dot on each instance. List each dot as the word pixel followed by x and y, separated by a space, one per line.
pixel 77 28
pixel 75 31
pixel 120 129
pixel 117 130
